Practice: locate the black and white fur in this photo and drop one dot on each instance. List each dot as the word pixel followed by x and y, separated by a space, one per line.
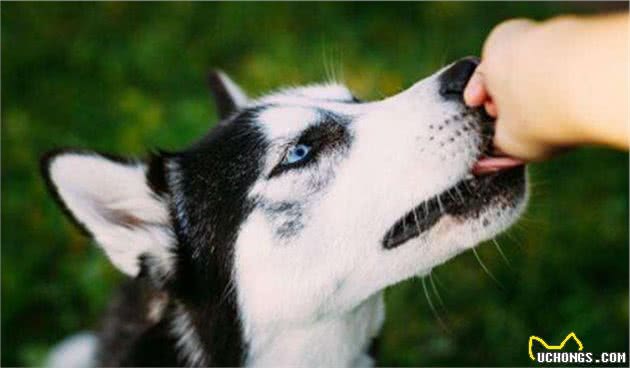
pixel 237 258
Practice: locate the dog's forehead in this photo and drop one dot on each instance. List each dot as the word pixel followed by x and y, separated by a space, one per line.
pixel 287 112
pixel 327 92
pixel 286 121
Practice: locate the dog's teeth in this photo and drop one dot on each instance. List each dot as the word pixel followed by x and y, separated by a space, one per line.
pixel 469 176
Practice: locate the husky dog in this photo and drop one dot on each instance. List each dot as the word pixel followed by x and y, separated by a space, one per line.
pixel 271 239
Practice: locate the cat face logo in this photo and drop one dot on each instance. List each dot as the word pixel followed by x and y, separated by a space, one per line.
pixel 553 347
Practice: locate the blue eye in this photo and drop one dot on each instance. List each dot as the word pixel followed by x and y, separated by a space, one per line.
pixel 297 153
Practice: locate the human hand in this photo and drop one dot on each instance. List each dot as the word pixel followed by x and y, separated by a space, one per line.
pixel 523 128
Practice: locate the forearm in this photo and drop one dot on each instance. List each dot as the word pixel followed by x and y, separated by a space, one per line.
pixel 580 78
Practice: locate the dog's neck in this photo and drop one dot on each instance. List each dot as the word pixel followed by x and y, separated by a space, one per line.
pixel 332 340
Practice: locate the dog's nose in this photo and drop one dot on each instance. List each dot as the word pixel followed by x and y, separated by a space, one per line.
pixel 453 80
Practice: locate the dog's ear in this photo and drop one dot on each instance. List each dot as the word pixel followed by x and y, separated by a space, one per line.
pixel 228 96
pixel 112 199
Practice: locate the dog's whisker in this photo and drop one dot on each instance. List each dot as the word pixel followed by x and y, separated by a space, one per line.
pixel 327 66
pixel 444 58
pixel 467 187
pixel 228 291
pixel 433 310
pixel 435 291
pixel 498 246
pixel 531 220
pixel 340 69
pixel 459 194
pixel 333 64
pixel 483 266
pixel 439 281
pixel 404 224
pixel 450 194
pixel 325 62
pixel 415 217
pixel 439 201
pixel 510 235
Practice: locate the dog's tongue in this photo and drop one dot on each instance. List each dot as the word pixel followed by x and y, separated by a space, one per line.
pixel 488 165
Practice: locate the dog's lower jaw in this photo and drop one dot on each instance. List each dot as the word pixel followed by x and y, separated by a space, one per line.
pixel 329 341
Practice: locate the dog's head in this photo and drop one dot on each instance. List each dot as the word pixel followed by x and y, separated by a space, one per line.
pixel 305 201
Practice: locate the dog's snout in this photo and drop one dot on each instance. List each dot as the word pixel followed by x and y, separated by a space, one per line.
pixel 454 79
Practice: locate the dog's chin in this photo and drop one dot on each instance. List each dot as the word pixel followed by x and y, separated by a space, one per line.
pixel 484 198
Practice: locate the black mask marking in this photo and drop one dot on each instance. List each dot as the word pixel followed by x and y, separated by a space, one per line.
pixel 214 177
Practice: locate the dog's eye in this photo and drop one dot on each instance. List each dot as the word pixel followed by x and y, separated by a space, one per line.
pixel 297 153
pixel 317 139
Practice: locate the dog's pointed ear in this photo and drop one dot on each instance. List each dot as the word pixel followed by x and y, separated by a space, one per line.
pixel 228 96
pixel 113 200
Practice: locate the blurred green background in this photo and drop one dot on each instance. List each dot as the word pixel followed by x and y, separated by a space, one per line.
pixel 125 78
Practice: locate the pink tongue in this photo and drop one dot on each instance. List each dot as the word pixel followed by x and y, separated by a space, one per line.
pixel 494 164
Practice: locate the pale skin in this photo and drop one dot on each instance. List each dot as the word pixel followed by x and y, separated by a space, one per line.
pixel 556 84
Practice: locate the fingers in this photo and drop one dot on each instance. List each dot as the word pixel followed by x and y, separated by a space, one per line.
pixel 514 144
pixel 491 87
pixel 475 93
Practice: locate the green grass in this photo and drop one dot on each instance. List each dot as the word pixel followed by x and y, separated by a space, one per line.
pixel 126 78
